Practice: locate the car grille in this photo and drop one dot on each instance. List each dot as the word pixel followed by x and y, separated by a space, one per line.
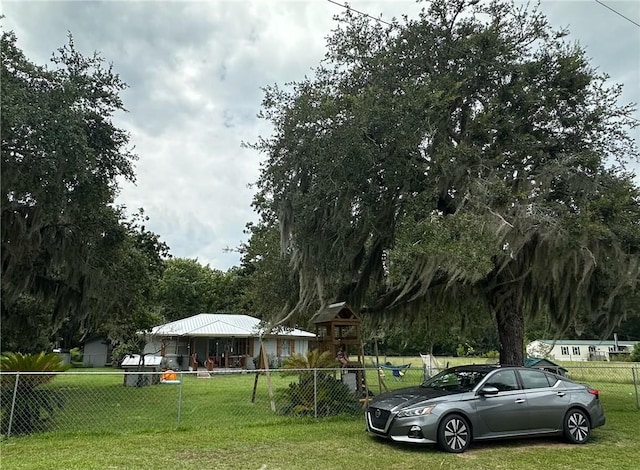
pixel 378 419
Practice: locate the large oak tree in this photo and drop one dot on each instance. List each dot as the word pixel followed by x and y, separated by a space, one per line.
pixel 468 159
pixel 71 260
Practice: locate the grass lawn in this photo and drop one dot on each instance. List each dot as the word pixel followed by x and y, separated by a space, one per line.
pixel 221 429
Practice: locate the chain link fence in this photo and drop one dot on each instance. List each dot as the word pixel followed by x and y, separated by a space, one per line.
pixel 129 401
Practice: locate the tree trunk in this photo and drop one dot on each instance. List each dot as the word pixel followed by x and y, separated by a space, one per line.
pixel 510 322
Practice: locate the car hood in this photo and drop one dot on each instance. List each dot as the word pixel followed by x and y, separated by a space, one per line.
pixel 408 397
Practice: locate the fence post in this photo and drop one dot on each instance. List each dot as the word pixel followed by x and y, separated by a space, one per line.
pixel 635 385
pixel 13 404
pixel 180 398
pixel 315 393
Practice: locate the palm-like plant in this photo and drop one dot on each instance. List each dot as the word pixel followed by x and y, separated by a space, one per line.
pixel 26 407
pixel 314 359
pixel 316 391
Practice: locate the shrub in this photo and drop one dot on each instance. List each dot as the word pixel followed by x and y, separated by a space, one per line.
pixel 323 395
pixel 492 354
pixel 26 406
pixel 635 353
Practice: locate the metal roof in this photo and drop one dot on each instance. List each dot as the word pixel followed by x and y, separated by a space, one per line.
pixel 134 360
pixel 585 342
pixel 542 362
pixel 332 311
pixel 220 324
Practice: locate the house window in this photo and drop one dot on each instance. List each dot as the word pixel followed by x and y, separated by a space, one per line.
pixel 285 348
pixel 592 349
pixel 576 350
pixel 564 350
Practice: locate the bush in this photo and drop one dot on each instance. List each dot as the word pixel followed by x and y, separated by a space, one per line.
pixel 635 353
pixel 76 355
pixel 26 406
pixel 325 396
pixel 492 354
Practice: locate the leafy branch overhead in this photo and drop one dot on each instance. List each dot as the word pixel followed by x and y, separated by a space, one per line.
pixel 469 156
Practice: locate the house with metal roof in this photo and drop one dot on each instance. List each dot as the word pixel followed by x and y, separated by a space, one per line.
pixel 223 340
pixel 580 349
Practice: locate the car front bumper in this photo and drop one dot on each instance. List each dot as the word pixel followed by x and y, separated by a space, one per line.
pixel 415 430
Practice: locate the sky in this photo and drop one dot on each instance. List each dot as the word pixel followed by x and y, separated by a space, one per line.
pixel 195 71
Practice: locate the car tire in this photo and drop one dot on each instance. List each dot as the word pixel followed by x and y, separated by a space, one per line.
pixel 454 434
pixel 577 427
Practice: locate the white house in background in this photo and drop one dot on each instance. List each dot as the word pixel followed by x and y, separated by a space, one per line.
pixel 579 350
pixel 220 340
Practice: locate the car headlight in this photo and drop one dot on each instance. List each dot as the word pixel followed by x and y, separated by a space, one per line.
pixel 421 411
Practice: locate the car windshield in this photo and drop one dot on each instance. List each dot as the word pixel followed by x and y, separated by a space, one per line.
pixel 455 380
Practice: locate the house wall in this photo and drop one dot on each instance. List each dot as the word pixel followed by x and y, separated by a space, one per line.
pixel 566 351
pixel 570 352
pixel 276 349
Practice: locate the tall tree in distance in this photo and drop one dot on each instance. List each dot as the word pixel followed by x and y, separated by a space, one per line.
pixel 471 156
pixel 270 285
pixel 187 288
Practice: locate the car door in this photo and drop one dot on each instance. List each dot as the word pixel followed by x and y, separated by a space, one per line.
pixel 547 399
pixel 503 413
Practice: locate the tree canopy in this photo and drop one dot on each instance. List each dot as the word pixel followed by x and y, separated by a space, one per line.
pixel 71 259
pixel 468 159
pixel 187 288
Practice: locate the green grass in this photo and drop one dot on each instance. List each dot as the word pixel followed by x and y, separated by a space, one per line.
pixel 221 428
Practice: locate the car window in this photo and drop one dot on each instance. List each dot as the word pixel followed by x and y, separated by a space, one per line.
pixel 534 379
pixel 504 381
pixel 458 380
pixel 552 379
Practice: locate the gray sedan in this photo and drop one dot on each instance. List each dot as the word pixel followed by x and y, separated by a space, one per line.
pixel 468 403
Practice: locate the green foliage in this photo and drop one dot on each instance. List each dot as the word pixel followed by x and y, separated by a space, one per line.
pixel 458 161
pixel 134 273
pixel 25 404
pixel 188 288
pixel 43 362
pixel 465 350
pixel 26 326
pixel 316 391
pixel 270 285
pixel 126 347
pixel 492 354
pixel 635 353
pixel 314 359
pixel 332 397
pixel 71 260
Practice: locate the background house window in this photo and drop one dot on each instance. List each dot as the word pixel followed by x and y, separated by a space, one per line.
pixel 564 350
pixel 576 350
pixel 285 348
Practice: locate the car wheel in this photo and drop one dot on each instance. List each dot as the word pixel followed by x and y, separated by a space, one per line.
pixel 577 427
pixel 454 434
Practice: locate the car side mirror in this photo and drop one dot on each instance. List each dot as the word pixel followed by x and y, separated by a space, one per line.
pixel 488 391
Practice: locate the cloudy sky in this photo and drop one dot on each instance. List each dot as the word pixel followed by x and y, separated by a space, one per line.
pixel 195 69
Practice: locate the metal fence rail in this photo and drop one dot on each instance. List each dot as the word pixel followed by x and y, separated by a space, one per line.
pixel 127 401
